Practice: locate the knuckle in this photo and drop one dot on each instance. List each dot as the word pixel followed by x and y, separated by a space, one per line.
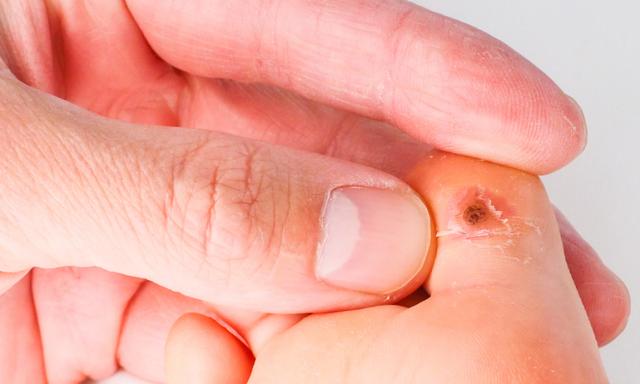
pixel 248 201
pixel 227 203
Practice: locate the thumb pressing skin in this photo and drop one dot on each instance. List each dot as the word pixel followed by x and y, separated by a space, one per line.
pixel 502 308
pixel 213 216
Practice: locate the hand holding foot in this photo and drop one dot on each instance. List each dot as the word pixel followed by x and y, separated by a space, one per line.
pixel 503 307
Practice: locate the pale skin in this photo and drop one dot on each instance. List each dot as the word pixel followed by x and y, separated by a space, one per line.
pixel 502 306
pixel 95 183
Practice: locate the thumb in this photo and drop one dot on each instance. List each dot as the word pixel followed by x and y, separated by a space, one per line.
pixel 212 216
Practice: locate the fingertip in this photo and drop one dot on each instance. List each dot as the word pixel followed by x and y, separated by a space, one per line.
pixel 491 102
pixel 548 127
pixel 565 138
pixel 578 120
pixel 545 132
pixel 199 350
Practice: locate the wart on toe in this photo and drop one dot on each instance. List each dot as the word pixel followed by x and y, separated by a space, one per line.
pixel 475 213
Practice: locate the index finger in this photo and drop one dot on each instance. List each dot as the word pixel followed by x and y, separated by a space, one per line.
pixel 436 78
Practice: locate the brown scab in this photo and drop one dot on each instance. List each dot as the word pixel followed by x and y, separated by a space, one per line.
pixel 475 213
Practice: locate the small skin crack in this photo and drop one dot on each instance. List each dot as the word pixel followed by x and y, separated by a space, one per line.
pixel 210 216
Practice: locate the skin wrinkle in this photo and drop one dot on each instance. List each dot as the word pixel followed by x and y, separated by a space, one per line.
pixel 272 246
pixel 265 185
pixel 248 201
pixel 253 187
pixel 133 221
pixel 250 154
pixel 290 126
pixel 186 162
pixel 285 219
pixel 210 215
pixel 180 164
pixel 143 212
pixel 169 200
pixel 81 171
pixel 136 212
pixel 272 210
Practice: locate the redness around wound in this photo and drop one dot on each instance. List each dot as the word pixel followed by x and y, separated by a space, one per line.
pixel 476 213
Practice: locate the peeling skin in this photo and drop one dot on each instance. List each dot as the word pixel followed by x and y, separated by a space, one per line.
pixel 484 219
pixel 476 215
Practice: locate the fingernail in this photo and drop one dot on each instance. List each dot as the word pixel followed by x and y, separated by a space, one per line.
pixel 373 240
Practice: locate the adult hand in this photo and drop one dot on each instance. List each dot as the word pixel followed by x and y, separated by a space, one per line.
pixel 79 190
pixel 502 308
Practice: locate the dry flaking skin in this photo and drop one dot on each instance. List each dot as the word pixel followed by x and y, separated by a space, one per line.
pixel 483 218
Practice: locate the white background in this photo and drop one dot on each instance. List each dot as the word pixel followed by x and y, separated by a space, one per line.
pixel 591 48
